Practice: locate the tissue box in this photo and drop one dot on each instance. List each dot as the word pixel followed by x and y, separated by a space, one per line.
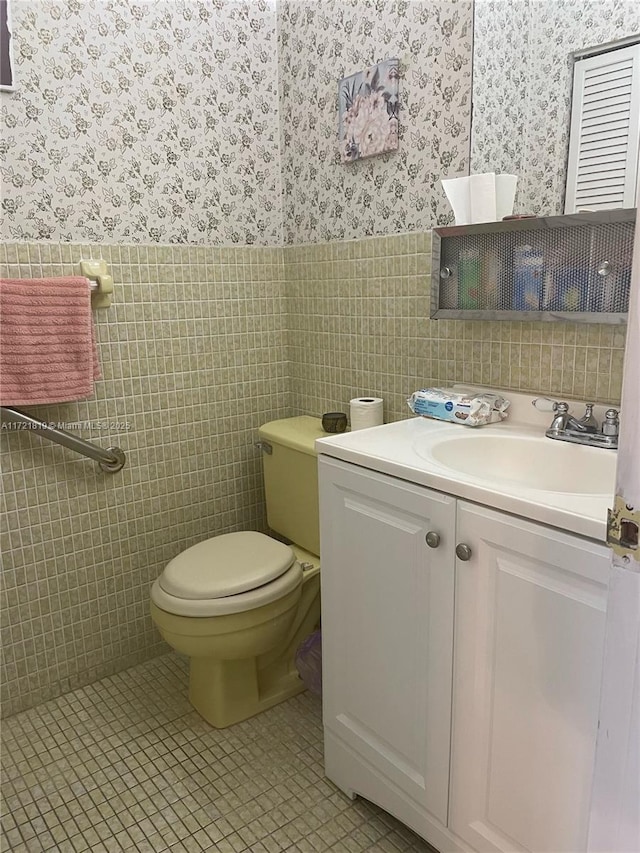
pixel 481 198
pixel 446 404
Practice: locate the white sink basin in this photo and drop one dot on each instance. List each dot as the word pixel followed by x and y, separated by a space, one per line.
pixel 530 462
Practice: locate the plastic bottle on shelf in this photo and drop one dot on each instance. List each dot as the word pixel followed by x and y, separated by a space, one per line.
pixel 571 289
pixel 490 280
pixel 528 278
pixel 469 279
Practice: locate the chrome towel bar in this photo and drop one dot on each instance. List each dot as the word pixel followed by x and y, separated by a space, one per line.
pixel 111 460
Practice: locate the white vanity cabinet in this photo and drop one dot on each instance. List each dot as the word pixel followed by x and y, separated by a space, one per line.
pixel 529 640
pixel 387 601
pixel 460 695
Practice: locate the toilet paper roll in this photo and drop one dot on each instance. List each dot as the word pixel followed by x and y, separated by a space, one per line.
pixel 365 412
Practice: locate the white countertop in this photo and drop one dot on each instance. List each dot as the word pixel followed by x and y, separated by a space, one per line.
pixel 402 449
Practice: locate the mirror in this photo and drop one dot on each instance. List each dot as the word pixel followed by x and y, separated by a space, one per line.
pixel 523 57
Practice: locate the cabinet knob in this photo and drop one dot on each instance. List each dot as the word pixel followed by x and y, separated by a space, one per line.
pixel 432 539
pixel 463 552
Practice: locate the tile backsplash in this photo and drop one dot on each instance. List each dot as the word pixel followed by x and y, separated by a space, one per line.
pixel 201 346
pixel 358 324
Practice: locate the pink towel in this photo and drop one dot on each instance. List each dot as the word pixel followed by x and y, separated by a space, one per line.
pixel 48 351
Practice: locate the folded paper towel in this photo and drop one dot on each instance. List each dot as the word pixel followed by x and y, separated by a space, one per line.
pixel 481 198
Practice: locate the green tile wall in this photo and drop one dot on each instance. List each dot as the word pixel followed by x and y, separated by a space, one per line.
pixel 200 347
pixel 358 324
pixel 193 357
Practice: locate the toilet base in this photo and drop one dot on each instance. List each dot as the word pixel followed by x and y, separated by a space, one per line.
pixel 225 692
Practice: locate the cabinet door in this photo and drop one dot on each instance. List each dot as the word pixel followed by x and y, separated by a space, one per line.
pixel 529 636
pixel 387 626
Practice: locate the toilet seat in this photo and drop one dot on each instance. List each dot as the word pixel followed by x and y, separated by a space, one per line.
pixel 231 603
pixel 230 573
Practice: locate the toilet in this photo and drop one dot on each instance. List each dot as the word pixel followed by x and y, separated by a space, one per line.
pixel 239 604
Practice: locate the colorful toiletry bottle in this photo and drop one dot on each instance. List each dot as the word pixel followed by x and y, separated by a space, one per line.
pixel 571 289
pixel 489 280
pixel 469 279
pixel 528 278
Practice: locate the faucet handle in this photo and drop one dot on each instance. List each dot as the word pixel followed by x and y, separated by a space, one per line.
pixel 561 418
pixel 588 420
pixel 611 425
pixel 546 404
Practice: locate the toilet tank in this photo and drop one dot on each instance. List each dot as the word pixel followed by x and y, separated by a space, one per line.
pixel 291 479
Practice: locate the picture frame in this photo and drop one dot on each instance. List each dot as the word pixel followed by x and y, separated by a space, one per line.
pixel 368 111
pixel 7 70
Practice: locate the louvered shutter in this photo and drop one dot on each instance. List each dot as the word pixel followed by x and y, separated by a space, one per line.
pixel 605 131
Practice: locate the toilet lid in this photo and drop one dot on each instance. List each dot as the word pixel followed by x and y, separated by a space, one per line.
pixel 226 565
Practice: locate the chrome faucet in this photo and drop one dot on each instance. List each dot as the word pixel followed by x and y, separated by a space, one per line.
pixel 584 430
pixel 561 419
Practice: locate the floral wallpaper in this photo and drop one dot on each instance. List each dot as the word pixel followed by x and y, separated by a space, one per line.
pixel 214 121
pixel 321 41
pixel 522 84
pixel 137 121
pixel 500 68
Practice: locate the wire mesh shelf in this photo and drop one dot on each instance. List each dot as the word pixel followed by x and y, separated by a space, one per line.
pixel 575 267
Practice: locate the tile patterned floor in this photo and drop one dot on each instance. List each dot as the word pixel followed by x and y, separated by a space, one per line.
pixel 126 765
